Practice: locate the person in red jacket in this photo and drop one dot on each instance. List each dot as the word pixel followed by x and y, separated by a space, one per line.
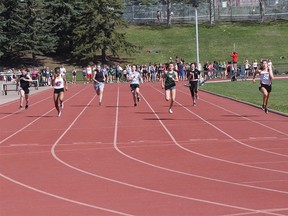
pixel 234 56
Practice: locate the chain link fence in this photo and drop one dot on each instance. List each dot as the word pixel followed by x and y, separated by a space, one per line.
pixel 233 10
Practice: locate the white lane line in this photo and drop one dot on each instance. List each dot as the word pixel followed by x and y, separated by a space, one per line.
pixel 62 198
pixel 229 136
pixel 20 130
pixel 175 195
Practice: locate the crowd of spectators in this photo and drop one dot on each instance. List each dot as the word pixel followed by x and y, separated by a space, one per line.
pixel 150 72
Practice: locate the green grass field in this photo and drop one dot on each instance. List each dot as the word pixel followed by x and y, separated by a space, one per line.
pixel 252 40
pixel 247 91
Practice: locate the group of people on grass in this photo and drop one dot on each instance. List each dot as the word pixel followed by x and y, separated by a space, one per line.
pixel 168 79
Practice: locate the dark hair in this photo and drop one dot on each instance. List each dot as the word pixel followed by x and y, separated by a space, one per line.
pixel 57 69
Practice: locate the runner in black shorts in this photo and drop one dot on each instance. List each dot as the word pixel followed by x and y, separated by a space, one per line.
pixel 135 78
pixel 24 80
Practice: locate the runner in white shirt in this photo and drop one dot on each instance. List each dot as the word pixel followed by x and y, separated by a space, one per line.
pixel 59 84
pixel 266 77
pixel 136 79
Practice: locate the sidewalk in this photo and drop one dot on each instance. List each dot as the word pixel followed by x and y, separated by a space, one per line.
pixel 13 95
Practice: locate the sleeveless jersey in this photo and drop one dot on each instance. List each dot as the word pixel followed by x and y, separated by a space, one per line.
pixel 23 84
pixel 59 83
pixel 265 78
pixel 99 76
pixel 136 77
pixel 169 81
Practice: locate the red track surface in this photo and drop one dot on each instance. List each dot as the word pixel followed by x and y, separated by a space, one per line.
pixel 218 158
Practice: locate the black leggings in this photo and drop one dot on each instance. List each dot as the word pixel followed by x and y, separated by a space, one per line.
pixel 193 87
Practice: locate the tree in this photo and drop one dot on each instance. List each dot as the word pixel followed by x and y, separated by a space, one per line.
pixel 169 15
pixel 262 10
pixel 62 19
pixel 3 35
pixel 24 22
pixel 96 31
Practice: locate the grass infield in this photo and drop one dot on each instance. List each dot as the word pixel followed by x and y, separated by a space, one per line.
pixel 249 92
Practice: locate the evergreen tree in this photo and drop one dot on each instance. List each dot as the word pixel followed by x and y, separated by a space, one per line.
pixel 96 30
pixel 3 36
pixel 13 25
pixel 25 29
pixel 62 15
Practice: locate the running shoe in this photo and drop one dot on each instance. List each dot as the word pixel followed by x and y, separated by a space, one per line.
pixel 266 110
pixel 20 107
pixel 170 111
pixel 59 113
pixel 26 107
pixel 187 84
pixel 138 99
pixel 263 107
pixel 194 103
pixel 135 104
pixel 62 105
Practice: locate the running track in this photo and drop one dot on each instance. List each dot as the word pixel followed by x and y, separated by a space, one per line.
pixel 218 158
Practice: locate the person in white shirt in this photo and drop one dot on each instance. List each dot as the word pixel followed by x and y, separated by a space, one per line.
pixel 59 84
pixel 89 73
pixel 62 70
pixel 135 80
pixel 266 77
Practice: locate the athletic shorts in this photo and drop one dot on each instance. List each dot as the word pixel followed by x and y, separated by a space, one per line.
pixel 98 86
pixel 267 87
pixel 170 87
pixel 134 86
pixel 57 91
pixel 26 90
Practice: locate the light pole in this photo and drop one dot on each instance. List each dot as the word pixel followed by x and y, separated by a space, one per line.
pixel 195 4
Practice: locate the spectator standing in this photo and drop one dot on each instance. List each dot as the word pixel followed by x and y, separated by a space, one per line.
pixel 89 73
pixel 181 70
pixel 270 65
pixel 169 84
pixel 247 67
pixel 234 56
pixel 74 75
pixel 158 15
pixel 119 70
pixel 111 73
pixel 84 75
pixel 63 70
pixel 43 79
pixel 266 77
pixel 255 65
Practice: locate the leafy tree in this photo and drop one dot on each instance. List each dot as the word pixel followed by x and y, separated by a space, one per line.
pixel 96 30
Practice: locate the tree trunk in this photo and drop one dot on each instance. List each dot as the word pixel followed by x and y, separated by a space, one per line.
pixel 230 9
pixel 34 58
pixel 169 13
pixel 262 10
pixel 212 10
pixel 103 56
